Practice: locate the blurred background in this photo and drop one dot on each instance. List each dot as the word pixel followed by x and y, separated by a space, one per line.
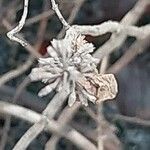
pixel 42 25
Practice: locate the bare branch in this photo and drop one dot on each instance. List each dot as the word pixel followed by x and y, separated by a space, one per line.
pixel 33 117
pixel 28 47
pixel 136 48
pixel 72 16
pixel 39 17
pixel 104 64
pixel 112 27
pixel 16 72
pixel 117 40
pixel 64 118
pixel 26 81
pixel 31 134
pixel 12 34
pixel 133 120
pixel 57 11
pixel 48 113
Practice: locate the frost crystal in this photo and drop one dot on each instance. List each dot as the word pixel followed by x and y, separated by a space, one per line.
pixel 70 56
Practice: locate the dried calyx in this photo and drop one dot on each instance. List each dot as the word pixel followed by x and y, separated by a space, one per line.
pixel 70 63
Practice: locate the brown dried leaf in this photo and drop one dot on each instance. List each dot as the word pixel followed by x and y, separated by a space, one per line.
pixel 108 87
pixel 102 86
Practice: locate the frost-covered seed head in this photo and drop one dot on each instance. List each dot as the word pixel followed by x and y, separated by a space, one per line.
pixel 70 56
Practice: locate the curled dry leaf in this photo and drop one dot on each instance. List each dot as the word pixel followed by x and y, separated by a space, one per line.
pixel 108 87
pixel 102 86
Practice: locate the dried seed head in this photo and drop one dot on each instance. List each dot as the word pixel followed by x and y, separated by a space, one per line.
pixel 70 55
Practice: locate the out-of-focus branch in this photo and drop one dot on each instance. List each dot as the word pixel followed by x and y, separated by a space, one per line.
pixel 33 117
pixel 105 130
pixel 12 34
pixel 133 120
pixel 16 72
pixel 30 135
pixel 74 12
pixel 117 40
pixel 55 104
pixel 9 76
pixel 64 118
pixel 26 81
pixel 44 15
pixel 39 17
pixel 49 112
pixel 104 64
pixel 138 47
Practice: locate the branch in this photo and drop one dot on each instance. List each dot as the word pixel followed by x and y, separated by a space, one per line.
pixel 49 112
pixel 33 117
pixel 26 81
pixel 37 18
pixel 28 47
pixel 117 40
pixel 106 135
pixel 30 135
pixel 16 72
pixel 136 48
pixel 57 11
pixel 66 115
pixel 72 16
pixel 112 27
pixel 133 120
pixel 12 34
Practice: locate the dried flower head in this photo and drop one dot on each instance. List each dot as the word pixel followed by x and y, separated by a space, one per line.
pixel 69 63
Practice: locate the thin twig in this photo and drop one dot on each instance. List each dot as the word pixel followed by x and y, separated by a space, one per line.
pixel 136 48
pixel 72 16
pixel 26 98
pixel 12 34
pixel 105 129
pixel 104 64
pixel 28 47
pixel 44 15
pixel 39 17
pixel 5 133
pixel 64 118
pixel 133 120
pixel 16 72
pixel 61 18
